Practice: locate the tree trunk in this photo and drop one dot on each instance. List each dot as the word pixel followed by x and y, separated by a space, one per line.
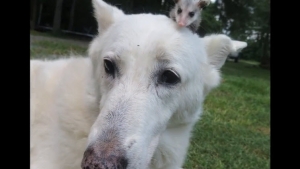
pixel 265 60
pixel 236 60
pixel 40 14
pixel 72 15
pixel 33 14
pixel 57 16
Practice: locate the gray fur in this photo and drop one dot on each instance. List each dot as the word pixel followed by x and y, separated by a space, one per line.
pixel 186 5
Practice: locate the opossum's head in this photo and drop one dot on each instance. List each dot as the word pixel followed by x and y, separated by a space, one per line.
pixel 187 11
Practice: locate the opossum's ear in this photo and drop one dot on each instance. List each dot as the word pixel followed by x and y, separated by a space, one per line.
pixel 105 14
pixel 203 3
pixel 176 1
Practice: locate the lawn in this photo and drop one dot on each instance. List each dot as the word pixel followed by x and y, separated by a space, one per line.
pixel 234 132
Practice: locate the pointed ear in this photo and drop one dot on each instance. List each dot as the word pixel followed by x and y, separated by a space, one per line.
pixel 203 3
pixel 218 47
pixel 238 46
pixel 105 14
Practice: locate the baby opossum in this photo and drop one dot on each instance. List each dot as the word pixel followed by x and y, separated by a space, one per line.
pixel 188 13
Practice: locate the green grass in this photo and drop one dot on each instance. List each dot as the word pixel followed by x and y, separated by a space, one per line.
pixel 234 132
pixel 43 48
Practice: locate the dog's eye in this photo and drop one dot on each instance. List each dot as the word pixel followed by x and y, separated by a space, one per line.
pixel 169 77
pixel 109 67
pixel 191 14
pixel 179 10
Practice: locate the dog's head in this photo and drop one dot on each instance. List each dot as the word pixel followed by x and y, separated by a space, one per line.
pixel 146 72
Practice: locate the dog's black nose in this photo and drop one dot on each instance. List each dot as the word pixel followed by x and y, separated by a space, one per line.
pixel 95 159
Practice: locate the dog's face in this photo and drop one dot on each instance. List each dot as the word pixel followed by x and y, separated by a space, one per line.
pixel 146 72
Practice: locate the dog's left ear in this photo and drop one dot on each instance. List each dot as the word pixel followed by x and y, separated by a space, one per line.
pixel 237 47
pixel 203 3
pixel 218 47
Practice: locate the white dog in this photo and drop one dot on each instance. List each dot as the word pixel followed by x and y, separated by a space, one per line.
pixel 132 104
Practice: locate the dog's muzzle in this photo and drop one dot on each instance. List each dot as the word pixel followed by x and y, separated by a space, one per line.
pixel 105 153
pixel 95 159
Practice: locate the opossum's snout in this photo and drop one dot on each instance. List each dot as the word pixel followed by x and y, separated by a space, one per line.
pixel 182 22
pixel 105 154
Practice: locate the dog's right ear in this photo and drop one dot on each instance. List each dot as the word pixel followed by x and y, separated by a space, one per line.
pixel 105 14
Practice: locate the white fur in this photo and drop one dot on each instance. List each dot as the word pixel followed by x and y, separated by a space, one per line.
pixel 238 46
pixel 225 46
pixel 73 101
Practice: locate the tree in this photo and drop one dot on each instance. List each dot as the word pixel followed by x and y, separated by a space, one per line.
pixel 57 16
pixel 262 18
pixel 33 8
pixel 72 15
pixel 210 21
pixel 248 21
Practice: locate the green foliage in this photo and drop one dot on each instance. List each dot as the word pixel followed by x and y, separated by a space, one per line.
pixel 209 23
pixel 248 21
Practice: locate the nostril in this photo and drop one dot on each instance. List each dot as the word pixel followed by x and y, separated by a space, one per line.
pixel 86 167
pixel 123 163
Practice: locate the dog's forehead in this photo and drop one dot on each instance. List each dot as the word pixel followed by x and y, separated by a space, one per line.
pixel 143 32
pixel 147 39
pixel 145 36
